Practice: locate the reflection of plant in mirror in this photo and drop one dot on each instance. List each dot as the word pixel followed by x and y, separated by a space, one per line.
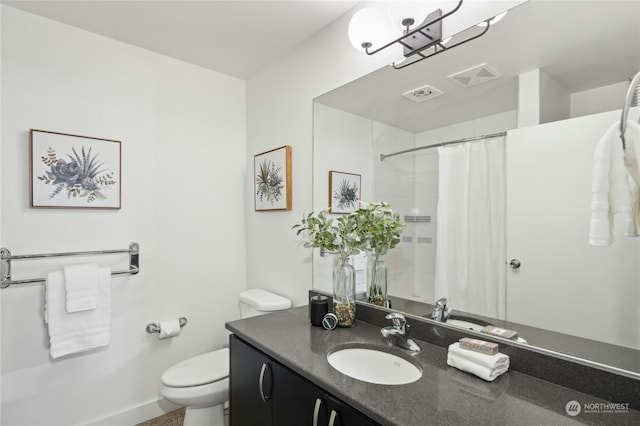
pixel 346 194
pixel 380 228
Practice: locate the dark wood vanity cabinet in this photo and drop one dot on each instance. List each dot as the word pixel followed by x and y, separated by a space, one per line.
pixel 264 392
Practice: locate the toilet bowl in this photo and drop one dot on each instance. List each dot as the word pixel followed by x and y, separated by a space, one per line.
pixel 201 383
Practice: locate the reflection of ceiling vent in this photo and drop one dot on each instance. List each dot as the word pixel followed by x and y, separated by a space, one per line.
pixel 475 75
pixel 423 93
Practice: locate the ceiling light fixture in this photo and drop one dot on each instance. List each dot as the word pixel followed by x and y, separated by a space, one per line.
pixel 418 43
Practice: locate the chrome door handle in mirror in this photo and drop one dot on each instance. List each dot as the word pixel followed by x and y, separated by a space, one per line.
pixel 514 263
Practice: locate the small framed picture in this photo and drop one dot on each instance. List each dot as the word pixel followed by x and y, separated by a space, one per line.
pixel 344 192
pixel 272 178
pixel 71 171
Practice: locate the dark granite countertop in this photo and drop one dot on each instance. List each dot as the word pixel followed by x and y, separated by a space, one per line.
pixel 443 395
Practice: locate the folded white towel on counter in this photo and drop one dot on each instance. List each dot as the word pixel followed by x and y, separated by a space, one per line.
pixel 78 331
pixel 487 367
pixel 610 192
pixel 81 287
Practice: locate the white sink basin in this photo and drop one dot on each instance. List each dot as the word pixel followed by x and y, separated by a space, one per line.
pixel 465 324
pixel 373 366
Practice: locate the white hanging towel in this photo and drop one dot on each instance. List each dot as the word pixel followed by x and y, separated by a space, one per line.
pixel 610 192
pixel 76 332
pixel 81 287
pixel 632 162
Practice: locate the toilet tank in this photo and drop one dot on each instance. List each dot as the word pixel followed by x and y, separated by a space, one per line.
pixel 258 302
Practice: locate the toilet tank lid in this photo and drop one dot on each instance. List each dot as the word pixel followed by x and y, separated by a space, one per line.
pixel 263 300
pixel 198 370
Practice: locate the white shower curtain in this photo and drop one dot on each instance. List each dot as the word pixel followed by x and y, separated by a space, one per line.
pixel 470 253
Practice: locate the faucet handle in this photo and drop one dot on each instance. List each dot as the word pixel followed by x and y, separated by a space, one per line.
pixel 397 319
pixel 442 302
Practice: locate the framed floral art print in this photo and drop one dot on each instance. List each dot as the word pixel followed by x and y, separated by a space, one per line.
pixel 71 171
pixel 344 192
pixel 272 178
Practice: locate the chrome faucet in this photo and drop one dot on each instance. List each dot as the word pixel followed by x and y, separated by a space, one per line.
pixel 397 333
pixel 441 311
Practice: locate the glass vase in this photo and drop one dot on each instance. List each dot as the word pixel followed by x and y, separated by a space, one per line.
pixel 377 280
pixel 344 292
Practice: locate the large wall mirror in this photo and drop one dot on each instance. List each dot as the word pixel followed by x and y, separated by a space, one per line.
pixel 553 75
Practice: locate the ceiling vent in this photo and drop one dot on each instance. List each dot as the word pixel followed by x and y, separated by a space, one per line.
pixel 424 93
pixel 475 75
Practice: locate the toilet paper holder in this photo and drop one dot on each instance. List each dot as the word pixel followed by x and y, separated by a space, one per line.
pixel 154 327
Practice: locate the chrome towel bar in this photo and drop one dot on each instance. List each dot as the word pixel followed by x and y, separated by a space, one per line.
pixel 6 257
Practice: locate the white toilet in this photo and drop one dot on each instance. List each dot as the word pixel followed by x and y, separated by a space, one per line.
pixel 201 383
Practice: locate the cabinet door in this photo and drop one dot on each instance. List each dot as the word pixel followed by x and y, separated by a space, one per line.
pixel 340 414
pixel 294 398
pixel 250 385
pixel 263 392
pixel 297 401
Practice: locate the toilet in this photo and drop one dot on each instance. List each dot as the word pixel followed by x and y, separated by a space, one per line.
pixel 201 383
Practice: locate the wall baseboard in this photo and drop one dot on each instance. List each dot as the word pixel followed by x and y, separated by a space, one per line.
pixel 136 414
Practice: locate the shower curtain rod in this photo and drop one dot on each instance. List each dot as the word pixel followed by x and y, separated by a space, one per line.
pixel 475 138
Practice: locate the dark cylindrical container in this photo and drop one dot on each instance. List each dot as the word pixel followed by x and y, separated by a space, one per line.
pixel 319 307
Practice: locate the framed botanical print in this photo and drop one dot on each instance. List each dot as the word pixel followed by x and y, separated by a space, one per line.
pixel 344 192
pixel 272 179
pixel 71 171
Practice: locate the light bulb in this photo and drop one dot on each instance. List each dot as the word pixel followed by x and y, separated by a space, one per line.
pixel 370 25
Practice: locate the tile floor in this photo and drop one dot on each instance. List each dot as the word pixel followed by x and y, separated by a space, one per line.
pixel 175 418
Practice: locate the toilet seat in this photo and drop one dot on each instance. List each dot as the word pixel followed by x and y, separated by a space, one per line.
pixel 199 370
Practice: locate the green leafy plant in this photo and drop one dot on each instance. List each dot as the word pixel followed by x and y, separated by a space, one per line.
pixel 337 235
pixel 380 229
pixel 379 226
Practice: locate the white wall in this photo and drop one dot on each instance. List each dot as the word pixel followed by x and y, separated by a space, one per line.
pixel 394 182
pixel 343 143
pixel 279 111
pixel 183 171
pixel 593 101
pixel 548 213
